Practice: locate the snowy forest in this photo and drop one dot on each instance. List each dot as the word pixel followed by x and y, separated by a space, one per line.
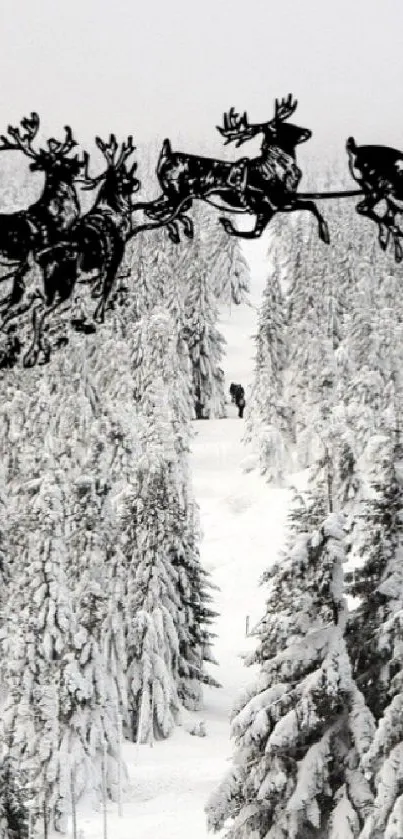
pixel 107 613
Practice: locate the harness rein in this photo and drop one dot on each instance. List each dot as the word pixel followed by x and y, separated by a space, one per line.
pixel 317 195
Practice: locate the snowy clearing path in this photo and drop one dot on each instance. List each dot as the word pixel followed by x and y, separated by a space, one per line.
pixel 243 524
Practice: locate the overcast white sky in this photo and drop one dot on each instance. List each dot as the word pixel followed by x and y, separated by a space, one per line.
pixel 161 68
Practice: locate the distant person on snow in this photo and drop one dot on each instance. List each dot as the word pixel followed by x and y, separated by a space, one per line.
pixel 199 407
pixel 238 396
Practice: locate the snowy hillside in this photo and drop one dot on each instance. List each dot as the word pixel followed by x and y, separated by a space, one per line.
pixel 242 521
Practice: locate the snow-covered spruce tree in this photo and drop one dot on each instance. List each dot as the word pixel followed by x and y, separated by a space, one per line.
pixel 268 425
pixel 371 348
pixel 196 615
pixel 308 347
pixel 204 340
pixel 378 580
pixel 228 268
pixel 303 726
pixel 13 801
pixel 152 599
pixel 150 271
pixel 96 565
pixel 89 697
pixel 375 635
pixel 378 621
pixel 158 353
pixel 37 633
pixel 161 388
pixel 383 762
pixel 62 702
pixel 320 296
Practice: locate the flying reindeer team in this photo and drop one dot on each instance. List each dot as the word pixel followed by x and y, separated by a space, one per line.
pixel 66 243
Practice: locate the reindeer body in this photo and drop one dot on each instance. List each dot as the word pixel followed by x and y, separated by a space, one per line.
pixel 261 186
pixel 39 226
pixel 58 206
pixel 18 236
pixel 183 175
pixel 95 242
pixel 379 172
pixel 26 231
pixel 371 164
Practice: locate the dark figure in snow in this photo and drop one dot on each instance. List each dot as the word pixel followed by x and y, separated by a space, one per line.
pixel 238 396
pixel 198 405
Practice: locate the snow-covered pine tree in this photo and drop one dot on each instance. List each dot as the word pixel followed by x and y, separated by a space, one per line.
pixel 89 697
pixel 13 801
pixel 375 635
pixel 268 424
pixel 204 340
pixel 152 600
pixel 162 395
pixel 158 355
pixel 377 580
pixel 303 725
pixel 375 632
pixel 228 268
pixel 197 615
pixel 61 704
pixel 308 350
pixel 37 633
pixel 383 763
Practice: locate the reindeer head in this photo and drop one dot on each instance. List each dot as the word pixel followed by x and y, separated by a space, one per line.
pixel 237 129
pixel 286 134
pixel 54 160
pixel 118 182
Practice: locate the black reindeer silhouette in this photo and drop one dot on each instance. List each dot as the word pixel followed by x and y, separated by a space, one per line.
pixel 262 186
pixel 95 242
pixel 24 232
pixel 379 172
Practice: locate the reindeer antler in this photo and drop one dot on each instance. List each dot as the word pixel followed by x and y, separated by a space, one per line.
pixel 23 142
pixel 84 164
pixel 284 109
pixel 125 152
pixel 62 148
pixel 108 149
pixel 236 127
pixel 87 180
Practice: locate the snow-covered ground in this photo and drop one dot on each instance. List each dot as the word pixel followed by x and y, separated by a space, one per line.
pixel 243 524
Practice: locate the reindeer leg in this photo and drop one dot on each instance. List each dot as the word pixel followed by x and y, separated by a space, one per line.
pixel 109 275
pixel 176 211
pixel 31 356
pixel 18 288
pixel 173 227
pixel 310 206
pixel 188 227
pixel 39 343
pixel 164 206
pixel 366 208
pixel 262 220
pixel 173 232
pixel 59 279
pixel 150 206
pixel 23 307
pixel 398 250
pixel 160 211
pixel 394 205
